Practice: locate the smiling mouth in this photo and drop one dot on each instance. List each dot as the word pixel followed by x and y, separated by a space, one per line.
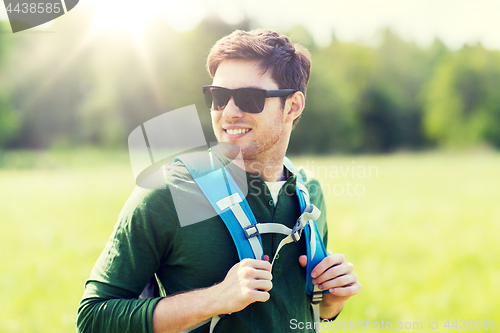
pixel 236 130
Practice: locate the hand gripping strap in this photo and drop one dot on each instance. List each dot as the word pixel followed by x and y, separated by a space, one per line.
pixel 315 253
pixel 315 248
pixel 226 198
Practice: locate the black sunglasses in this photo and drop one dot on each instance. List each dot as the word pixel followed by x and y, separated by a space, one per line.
pixel 249 100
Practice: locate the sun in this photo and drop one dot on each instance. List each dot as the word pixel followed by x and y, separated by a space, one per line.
pixel 126 15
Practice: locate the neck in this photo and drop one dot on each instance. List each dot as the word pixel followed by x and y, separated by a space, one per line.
pixel 270 169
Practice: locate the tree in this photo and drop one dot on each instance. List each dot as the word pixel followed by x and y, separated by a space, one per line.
pixel 462 104
pixel 330 122
pixel 9 118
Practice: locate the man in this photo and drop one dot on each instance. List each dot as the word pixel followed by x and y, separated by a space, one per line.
pixel 197 265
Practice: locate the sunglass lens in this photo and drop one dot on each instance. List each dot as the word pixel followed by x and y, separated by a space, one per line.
pixel 250 100
pixel 208 98
pixel 220 97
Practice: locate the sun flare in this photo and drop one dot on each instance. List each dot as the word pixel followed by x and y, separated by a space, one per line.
pixel 129 16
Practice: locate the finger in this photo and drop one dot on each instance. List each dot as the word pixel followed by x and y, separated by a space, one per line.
pixel 260 274
pixel 346 291
pixel 260 296
pixel 257 264
pixel 334 272
pixel 264 285
pixel 340 281
pixel 266 257
pixel 329 261
pixel 303 260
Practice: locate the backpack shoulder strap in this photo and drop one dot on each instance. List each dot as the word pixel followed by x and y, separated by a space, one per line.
pixel 230 203
pixel 227 199
pixel 316 250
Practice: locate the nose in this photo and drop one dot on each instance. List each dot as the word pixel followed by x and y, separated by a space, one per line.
pixel 231 110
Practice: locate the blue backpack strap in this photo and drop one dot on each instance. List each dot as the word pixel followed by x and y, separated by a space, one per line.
pixel 229 202
pixel 226 198
pixel 316 251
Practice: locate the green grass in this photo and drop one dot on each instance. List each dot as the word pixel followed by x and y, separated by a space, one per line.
pixel 423 236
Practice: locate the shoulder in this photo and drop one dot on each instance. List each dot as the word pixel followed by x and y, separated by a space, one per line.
pixel 175 199
pixel 155 197
pixel 312 183
pixel 307 175
pixel 310 180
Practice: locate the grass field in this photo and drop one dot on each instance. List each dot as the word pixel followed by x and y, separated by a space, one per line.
pixel 421 229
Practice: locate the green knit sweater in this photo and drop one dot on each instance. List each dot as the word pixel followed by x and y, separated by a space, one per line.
pixel 149 239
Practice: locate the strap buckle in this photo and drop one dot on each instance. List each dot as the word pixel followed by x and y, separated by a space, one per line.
pixel 251 231
pixel 297 231
pixel 316 296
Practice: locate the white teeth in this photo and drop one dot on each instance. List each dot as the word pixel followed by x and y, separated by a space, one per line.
pixel 237 131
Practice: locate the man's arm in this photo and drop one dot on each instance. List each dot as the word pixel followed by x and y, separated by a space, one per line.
pixel 110 308
pixel 132 255
pixel 246 282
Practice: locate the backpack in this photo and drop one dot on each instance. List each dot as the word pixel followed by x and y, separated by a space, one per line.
pixel 229 202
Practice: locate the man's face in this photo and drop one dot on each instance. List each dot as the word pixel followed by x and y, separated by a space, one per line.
pixel 259 135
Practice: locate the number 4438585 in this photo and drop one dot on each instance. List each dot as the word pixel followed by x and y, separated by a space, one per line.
pixel 34 8
pixel 472 324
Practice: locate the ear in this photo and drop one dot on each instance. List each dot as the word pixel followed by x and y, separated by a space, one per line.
pixel 294 105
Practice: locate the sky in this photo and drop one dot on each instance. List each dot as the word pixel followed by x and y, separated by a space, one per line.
pixel 454 21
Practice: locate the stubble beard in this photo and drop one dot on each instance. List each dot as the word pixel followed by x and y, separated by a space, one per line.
pixel 257 154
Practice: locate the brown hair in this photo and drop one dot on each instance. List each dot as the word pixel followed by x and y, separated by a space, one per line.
pixel 290 64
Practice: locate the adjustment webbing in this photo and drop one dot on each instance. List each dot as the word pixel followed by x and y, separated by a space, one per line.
pixel 315 308
pixel 310 213
pixel 267 228
pixel 244 222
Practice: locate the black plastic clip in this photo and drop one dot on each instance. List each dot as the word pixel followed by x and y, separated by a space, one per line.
pixel 316 296
pixel 251 231
pixel 297 231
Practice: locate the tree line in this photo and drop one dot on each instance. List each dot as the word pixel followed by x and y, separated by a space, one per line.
pixel 79 87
